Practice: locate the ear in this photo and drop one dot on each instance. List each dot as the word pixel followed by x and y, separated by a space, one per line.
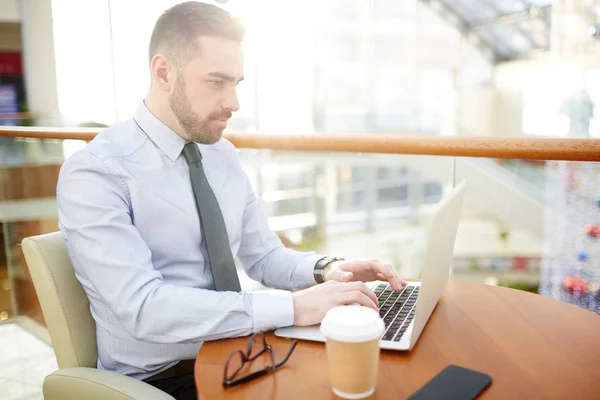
pixel 163 72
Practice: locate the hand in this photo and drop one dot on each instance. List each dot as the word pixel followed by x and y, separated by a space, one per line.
pixel 310 305
pixel 364 271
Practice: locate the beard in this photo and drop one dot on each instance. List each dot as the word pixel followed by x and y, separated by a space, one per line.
pixel 198 129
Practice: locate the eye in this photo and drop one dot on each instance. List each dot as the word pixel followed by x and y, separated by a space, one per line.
pixel 216 82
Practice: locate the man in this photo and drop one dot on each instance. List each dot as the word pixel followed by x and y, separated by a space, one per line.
pixel 579 108
pixel 133 212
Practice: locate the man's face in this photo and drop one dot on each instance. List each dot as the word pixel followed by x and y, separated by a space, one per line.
pixel 204 96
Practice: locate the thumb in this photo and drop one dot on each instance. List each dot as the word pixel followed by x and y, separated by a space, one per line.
pixel 342 276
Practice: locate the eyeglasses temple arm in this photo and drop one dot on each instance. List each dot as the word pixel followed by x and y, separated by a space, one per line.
pixel 287 356
pixel 247 378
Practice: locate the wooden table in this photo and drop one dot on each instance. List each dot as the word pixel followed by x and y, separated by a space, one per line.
pixel 533 347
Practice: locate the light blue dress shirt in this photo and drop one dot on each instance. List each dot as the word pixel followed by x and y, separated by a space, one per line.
pixel 127 213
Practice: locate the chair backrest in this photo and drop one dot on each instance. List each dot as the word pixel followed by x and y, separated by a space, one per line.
pixel 65 305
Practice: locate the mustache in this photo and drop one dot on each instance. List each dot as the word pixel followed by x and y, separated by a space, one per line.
pixel 221 115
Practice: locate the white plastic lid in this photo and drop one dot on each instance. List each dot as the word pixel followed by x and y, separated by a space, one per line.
pixel 352 324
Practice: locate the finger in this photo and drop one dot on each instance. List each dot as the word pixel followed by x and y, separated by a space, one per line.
pixel 379 268
pixel 371 270
pixel 330 283
pixel 341 276
pixel 388 274
pixel 360 298
pixel 401 282
pixel 359 286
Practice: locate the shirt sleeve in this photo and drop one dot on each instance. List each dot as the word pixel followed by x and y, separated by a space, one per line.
pixel 265 258
pixel 114 266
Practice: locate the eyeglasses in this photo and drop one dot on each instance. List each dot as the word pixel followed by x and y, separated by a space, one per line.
pixel 257 345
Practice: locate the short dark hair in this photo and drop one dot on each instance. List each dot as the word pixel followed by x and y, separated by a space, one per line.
pixel 176 30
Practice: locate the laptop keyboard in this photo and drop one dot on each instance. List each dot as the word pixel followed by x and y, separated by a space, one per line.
pixel 396 308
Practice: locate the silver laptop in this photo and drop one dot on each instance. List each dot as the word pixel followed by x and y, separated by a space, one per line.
pixel 405 313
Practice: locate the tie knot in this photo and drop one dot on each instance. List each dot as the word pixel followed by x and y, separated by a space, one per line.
pixel 191 152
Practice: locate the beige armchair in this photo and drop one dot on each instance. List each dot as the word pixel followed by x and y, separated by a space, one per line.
pixel 72 329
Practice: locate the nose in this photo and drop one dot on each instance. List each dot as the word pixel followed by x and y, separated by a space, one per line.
pixel 231 101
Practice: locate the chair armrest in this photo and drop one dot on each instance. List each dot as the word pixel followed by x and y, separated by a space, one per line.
pixel 95 384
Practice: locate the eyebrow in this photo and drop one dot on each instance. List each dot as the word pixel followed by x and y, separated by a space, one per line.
pixel 225 76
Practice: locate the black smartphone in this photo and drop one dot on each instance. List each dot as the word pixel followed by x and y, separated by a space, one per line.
pixel 453 383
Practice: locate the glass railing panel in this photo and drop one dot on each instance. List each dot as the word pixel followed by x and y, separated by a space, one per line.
pixel 500 238
pixel 532 226
pixel 529 176
pixel 354 205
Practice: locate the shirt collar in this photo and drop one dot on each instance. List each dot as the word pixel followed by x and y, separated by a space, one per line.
pixel 163 136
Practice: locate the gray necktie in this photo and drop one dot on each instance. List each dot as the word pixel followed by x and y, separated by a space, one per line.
pixel 222 265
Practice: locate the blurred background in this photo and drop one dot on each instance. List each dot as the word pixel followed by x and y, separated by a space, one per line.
pixel 485 68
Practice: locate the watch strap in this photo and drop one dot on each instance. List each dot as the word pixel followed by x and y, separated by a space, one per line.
pixel 320 266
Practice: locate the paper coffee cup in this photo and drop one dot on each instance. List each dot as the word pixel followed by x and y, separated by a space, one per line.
pixel 352 339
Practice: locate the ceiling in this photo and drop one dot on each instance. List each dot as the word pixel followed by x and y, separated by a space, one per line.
pixel 508 28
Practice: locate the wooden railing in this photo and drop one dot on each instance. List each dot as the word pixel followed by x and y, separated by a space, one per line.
pixel 527 148
pixel 19 116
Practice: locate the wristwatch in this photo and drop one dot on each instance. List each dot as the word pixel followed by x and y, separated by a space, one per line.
pixel 320 266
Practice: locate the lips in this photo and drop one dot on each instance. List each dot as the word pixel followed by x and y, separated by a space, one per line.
pixel 221 119
pixel 221 122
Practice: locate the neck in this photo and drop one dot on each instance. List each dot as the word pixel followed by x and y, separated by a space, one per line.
pixel 160 108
